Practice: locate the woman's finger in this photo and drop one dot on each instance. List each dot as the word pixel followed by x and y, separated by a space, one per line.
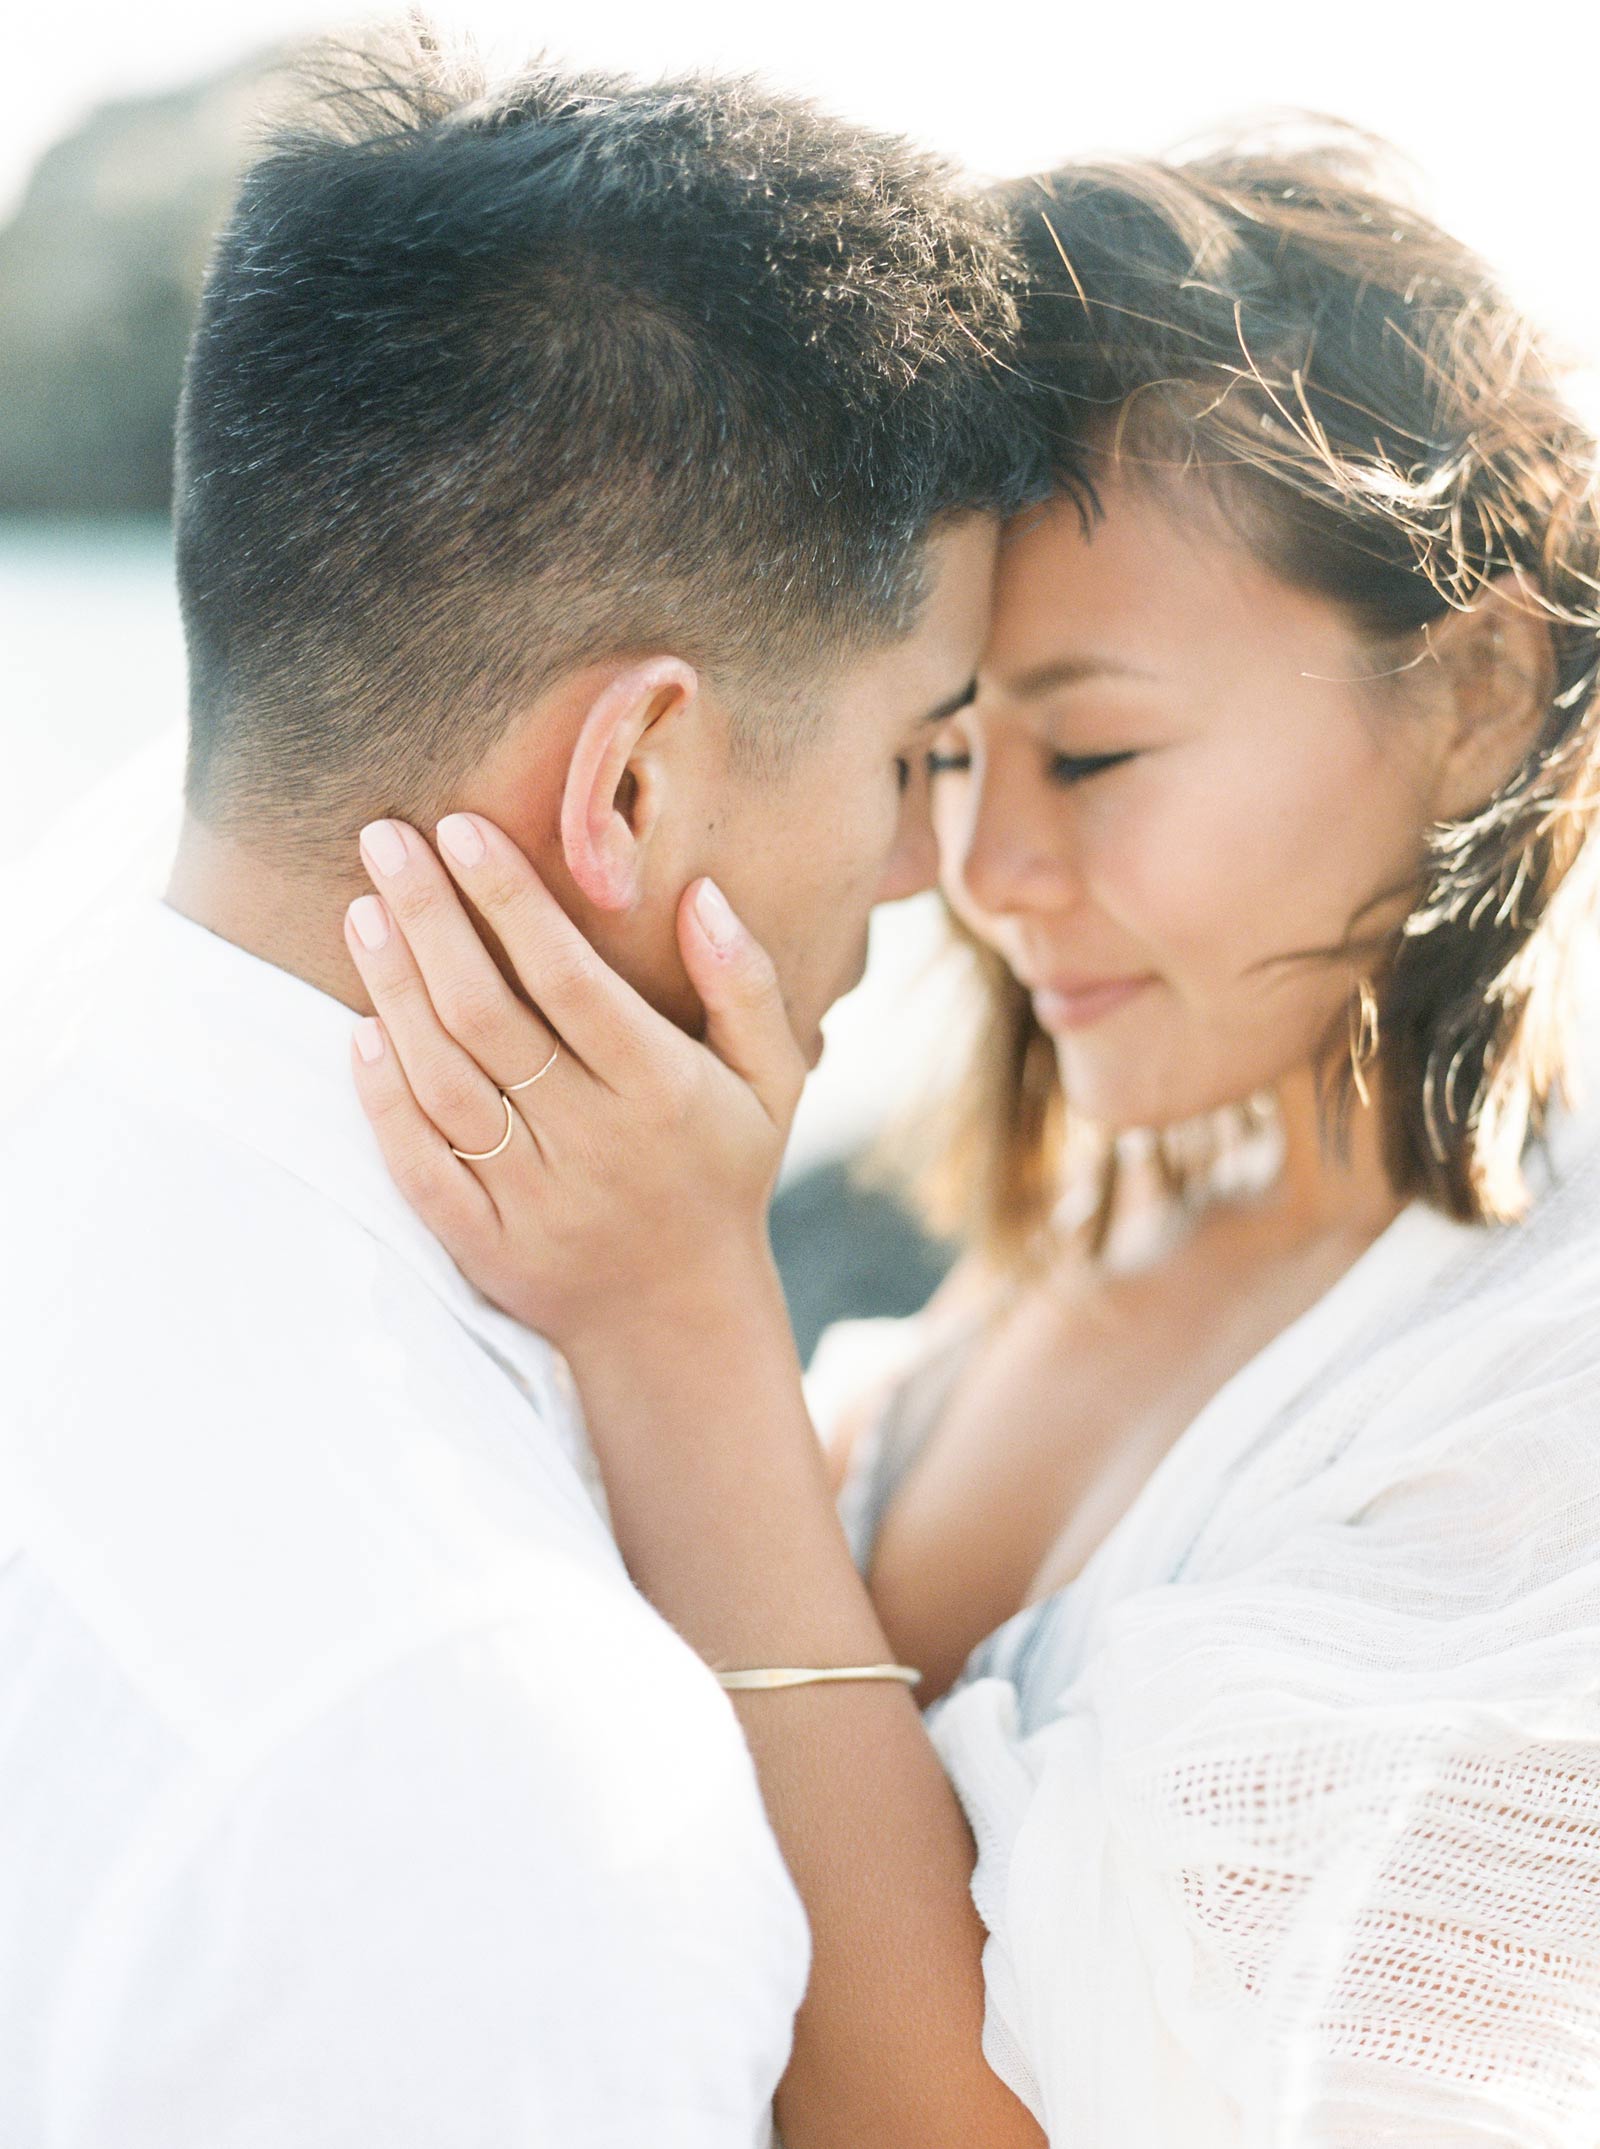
pixel 454 1092
pixel 471 997
pixel 596 1014
pixel 448 1197
pixel 747 1024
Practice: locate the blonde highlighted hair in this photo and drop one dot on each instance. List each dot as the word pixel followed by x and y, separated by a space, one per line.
pixel 1383 427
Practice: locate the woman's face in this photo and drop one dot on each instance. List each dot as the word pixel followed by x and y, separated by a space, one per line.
pixel 1179 771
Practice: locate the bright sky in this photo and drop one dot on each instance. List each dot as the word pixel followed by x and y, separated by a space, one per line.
pixel 1501 120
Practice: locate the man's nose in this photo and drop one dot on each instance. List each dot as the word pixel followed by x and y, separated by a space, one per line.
pixel 913 864
pixel 1011 850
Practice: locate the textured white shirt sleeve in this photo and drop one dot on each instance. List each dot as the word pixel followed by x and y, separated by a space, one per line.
pixel 1309 1852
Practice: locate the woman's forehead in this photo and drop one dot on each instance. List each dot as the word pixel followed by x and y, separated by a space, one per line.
pixel 1153 580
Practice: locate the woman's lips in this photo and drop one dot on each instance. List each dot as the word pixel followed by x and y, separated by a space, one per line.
pixel 1076 1004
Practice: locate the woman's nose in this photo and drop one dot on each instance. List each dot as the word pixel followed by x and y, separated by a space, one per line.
pixel 1011 849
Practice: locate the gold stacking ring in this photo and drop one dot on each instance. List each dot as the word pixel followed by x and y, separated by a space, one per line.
pixel 539 1077
pixel 482 1156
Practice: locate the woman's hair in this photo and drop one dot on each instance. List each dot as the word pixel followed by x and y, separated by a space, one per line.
pixel 1383 427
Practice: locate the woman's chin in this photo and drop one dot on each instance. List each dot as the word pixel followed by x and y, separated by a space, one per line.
pixel 1120 1094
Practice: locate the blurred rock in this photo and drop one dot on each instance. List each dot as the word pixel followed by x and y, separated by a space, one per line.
pixel 99 275
pixel 846 1250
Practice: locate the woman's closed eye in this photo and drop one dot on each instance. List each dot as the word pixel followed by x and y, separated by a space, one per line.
pixel 1077 768
pixel 1064 768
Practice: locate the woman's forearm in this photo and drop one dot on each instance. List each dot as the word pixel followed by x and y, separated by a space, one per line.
pixel 721 1507
pixel 627 1225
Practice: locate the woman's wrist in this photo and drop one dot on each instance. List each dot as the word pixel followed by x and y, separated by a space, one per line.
pixel 692 1315
pixel 716 1480
pixel 724 1517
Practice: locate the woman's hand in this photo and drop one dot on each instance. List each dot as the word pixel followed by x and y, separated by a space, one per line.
pixel 639 1163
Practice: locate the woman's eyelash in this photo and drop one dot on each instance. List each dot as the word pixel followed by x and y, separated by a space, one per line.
pixel 1065 768
pixel 1074 768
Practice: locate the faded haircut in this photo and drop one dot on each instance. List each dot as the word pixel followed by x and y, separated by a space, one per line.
pixel 488 383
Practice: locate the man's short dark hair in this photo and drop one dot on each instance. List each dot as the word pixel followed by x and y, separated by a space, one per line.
pixel 486 385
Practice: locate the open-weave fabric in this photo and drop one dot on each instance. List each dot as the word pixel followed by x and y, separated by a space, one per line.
pixel 1288 1810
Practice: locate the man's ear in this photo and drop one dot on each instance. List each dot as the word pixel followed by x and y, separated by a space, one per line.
pixel 1498 667
pixel 616 779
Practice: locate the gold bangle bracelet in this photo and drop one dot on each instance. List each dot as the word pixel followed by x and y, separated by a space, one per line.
pixel 745 1682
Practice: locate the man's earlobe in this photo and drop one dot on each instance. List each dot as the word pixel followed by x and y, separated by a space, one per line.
pixel 616 778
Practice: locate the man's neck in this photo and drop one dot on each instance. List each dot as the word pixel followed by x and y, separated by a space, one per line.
pixel 294 921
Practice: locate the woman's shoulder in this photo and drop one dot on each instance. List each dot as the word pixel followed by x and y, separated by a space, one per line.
pixel 1523 1297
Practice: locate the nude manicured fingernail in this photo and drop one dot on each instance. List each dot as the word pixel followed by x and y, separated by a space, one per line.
pixel 459 836
pixel 370 920
pixel 721 926
pixel 369 1039
pixel 384 845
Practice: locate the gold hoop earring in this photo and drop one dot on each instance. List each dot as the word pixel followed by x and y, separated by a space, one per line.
pixel 1363 1035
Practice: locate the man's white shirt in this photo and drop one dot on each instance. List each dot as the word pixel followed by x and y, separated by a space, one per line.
pixel 349 1793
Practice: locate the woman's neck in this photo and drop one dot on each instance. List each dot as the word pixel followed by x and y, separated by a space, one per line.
pixel 1329 1184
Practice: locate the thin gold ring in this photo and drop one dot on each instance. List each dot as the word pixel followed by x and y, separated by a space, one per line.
pixel 539 1077
pixel 482 1156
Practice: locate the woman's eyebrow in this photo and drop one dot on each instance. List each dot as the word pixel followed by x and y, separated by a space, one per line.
pixel 1070 671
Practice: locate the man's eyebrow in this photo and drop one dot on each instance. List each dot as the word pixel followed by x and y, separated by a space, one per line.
pixel 1069 671
pixel 963 700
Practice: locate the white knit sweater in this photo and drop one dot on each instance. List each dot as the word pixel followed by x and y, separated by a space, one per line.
pixel 1288 1810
